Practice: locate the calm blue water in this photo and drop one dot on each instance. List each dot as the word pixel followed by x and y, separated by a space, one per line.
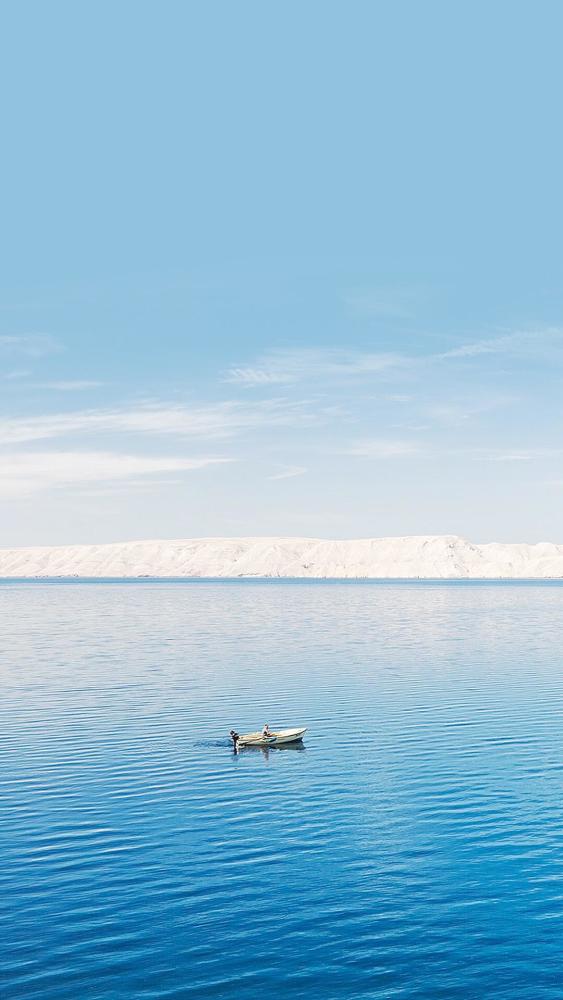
pixel 413 848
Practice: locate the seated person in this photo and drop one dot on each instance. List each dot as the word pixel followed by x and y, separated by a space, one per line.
pixel 266 731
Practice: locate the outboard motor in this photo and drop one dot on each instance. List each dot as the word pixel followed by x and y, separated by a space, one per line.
pixel 235 738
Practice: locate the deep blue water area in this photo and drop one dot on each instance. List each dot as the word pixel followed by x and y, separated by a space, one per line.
pixel 411 848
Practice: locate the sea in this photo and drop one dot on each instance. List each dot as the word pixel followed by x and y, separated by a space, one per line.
pixel 411 847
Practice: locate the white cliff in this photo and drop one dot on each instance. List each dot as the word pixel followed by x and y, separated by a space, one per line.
pixel 420 556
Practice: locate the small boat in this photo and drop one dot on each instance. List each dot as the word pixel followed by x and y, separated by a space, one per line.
pixel 276 738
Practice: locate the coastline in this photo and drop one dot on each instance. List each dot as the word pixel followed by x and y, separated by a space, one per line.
pixel 412 558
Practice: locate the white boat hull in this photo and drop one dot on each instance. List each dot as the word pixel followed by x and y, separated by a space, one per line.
pixel 276 739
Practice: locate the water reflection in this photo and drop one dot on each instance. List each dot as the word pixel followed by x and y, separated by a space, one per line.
pixel 297 747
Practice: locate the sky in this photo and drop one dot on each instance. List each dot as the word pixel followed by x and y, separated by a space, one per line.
pixel 280 269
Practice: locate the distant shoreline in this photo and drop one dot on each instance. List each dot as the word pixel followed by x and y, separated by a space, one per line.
pixel 286 580
pixel 418 557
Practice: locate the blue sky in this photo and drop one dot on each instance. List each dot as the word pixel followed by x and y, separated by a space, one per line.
pixel 280 269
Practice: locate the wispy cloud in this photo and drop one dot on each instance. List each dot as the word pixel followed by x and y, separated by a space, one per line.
pixel 386 303
pixel 30 345
pixel 15 374
pixel 274 375
pixel 153 484
pixel 71 385
pixel 291 366
pixel 338 365
pixel 289 472
pixel 381 449
pixel 378 448
pixel 519 342
pixel 516 454
pixel 21 474
pixel 222 420
pixel 463 410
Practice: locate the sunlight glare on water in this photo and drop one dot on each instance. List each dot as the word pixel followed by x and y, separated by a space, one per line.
pixel 412 847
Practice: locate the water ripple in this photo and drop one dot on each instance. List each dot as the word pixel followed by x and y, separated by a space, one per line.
pixel 411 848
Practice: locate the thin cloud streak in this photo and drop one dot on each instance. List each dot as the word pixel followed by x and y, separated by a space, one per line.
pixel 223 420
pixel 22 474
pixel 394 449
pixel 17 373
pixel 382 303
pixel 516 454
pixel 29 345
pixel 71 385
pixel 291 367
pixel 382 449
pixel 289 473
pixel 520 343
pixel 454 414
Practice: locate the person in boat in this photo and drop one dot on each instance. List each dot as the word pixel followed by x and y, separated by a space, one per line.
pixel 235 738
pixel 267 731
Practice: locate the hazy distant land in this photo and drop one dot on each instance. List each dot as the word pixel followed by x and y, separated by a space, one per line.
pixel 420 556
